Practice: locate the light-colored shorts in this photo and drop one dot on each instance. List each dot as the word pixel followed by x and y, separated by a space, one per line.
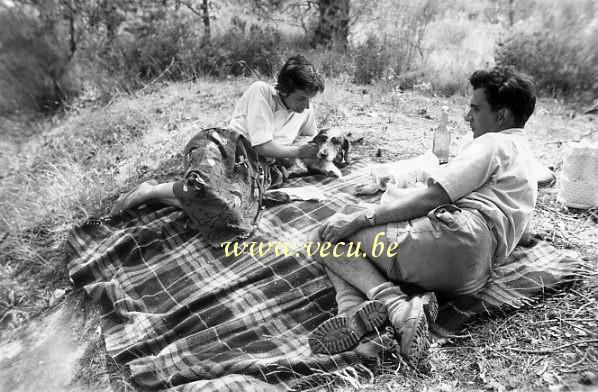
pixel 448 251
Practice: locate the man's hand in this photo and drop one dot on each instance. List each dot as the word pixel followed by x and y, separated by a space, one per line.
pixel 340 226
pixel 309 150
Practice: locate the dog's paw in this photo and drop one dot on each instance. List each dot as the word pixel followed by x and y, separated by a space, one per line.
pixel 335 173
pixel 330 170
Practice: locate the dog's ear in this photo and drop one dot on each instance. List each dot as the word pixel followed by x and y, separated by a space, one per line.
pixel 321 136
pixel 342 158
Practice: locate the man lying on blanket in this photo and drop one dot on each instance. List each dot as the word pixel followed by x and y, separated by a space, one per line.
pixel 472 214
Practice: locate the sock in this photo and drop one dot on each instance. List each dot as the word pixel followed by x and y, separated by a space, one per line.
pixel 394 299
pixel 348 298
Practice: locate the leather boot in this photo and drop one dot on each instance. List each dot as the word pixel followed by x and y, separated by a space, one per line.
pixel 342 333
pixel 430 303
pixel 409 321
pixel 377 345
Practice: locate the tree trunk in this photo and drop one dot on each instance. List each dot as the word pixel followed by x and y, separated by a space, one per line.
pixel 73 42
pixel 333 25
pixel 511 13
pixel 206 20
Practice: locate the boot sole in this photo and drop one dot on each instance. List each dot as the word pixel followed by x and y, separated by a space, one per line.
pixel 416 353
pixel 341 333
pixel 414 347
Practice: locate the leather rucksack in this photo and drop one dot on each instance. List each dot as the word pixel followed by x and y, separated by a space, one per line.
pixel 224 184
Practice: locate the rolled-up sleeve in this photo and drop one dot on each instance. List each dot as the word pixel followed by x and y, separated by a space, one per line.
pixel 470 170
pixel 259 114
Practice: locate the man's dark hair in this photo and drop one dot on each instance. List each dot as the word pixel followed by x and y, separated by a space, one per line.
pixel 298 73
pixel 505 87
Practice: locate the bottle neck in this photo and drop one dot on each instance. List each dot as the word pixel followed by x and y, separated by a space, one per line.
pixel 444 120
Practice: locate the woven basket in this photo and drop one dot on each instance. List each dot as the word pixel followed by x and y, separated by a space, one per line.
pixel 578 183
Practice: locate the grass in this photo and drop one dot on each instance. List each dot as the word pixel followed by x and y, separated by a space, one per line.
pixel 58 171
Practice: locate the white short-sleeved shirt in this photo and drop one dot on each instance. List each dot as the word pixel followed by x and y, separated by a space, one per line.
pixel 494 175
pixel 261 116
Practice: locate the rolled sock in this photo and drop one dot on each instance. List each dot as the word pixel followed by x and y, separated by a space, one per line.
pixel 348 298
pixel 395 300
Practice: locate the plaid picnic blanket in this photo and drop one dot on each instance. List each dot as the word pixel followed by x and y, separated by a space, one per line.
pixel 183 316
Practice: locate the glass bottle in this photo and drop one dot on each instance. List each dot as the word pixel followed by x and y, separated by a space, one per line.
pixel 442 138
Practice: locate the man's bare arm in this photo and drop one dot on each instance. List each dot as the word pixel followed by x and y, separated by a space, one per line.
pixel 413 203
pixel 275 150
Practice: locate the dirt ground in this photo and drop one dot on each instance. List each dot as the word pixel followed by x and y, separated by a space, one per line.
pixel 59 348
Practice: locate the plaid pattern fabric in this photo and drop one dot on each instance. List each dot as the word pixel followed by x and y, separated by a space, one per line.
pixel 184 316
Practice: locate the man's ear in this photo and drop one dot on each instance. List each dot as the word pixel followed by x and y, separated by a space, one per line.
pixel 505 118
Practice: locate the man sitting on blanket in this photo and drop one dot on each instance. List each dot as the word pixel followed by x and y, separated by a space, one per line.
pixel 472 214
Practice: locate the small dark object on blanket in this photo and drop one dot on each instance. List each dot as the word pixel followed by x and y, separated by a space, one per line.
pixel 333 155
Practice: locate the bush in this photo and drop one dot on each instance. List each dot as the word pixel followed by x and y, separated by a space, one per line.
pixel 454 47
pixel 558 48
pixel 372 59
pixel 170 49
pixel 333 63
pixel 251 49
pixel 155 46
pixel 33 66
pixel 390 44
pixel 242 50
pixel 155 49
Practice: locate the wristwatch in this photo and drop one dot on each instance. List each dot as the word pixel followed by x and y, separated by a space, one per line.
pixel 370 215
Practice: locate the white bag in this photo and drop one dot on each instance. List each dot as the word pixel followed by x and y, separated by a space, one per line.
pixel 578 182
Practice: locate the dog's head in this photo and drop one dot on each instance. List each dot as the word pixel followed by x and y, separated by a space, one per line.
pixel 333 146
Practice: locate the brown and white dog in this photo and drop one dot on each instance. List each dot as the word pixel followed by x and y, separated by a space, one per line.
pixel 333 155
